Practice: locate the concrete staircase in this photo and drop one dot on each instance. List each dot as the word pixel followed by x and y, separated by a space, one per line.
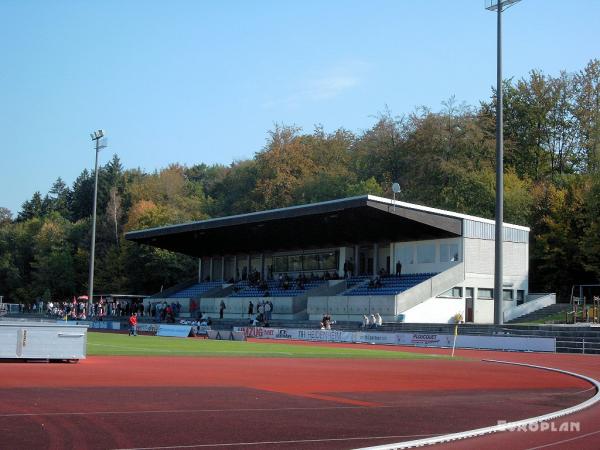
pixel 542 313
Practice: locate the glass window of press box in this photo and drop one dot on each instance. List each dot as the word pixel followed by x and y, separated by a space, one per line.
pixel 313 262
pixel 425 253
pixel 448 252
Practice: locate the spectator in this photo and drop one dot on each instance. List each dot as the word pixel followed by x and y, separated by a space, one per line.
pixel 326 322
pixel 378 320
pixel 398 269
pixel 221 309
pixel 365 322
pixel 372 321
pixel 250 309
pixel 133 324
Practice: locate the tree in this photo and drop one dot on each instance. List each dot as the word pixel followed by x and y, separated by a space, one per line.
pixel 60 198
pixel 32 208
pixel 82 196
pixel 114 212
pixel 587 113
pixel 5 216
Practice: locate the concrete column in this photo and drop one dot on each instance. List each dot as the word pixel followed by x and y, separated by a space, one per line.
pixel 199 270
pixel 222 268
pixel 262 266
pixel 356 255
pixel 342 261
pixel 375 259
pixel 235 268
pixel 211 269
pixel 247 266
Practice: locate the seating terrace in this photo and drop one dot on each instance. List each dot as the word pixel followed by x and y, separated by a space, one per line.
pixel 390 285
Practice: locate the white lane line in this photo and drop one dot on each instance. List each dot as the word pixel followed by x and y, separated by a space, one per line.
pixel 508 425
pixel 190 411
pixel 564 441
pixel 299 441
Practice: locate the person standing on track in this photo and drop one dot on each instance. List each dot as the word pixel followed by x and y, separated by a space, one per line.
pixel 133 324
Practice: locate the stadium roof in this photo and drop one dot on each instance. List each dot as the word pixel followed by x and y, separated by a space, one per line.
pixel 349 221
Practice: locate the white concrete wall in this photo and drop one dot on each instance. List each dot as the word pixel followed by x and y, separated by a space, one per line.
pixel 479 257
pixel 400 249
pixel 483 310
pixel 436 310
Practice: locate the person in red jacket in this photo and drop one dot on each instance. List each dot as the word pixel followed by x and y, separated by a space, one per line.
pixel 133 324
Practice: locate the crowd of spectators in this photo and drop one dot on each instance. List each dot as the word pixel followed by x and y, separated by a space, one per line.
pixel 326 322
pixel 372 321
pixel 263 314
pixel 163 311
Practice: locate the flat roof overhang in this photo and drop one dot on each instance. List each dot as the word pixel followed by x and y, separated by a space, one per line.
pixel 350 221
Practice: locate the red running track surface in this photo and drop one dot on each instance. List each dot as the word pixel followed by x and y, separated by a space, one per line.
pixel 273 403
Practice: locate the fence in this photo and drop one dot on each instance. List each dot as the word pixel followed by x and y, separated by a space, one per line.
pixel 578 345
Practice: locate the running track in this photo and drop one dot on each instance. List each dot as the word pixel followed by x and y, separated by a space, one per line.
pixel 281 403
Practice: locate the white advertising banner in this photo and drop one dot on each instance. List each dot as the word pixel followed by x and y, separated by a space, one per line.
pixel 414 339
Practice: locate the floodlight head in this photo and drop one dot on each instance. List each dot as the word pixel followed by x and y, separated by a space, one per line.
pixel 493 5
pixel 396 188
pixel 97 135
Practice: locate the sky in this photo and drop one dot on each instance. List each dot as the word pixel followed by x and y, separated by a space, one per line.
pixel 195 81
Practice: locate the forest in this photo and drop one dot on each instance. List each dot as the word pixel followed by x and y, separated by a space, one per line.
pixel 443 159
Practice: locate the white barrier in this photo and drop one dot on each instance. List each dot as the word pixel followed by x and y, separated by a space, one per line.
pixel 536 344
pixel 174 330
pixel 37 340
pixel 223 335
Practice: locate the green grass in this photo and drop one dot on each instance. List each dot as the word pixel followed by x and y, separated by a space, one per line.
pixel 121 344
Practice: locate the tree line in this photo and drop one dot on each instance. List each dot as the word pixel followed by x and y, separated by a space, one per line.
pixel 443 159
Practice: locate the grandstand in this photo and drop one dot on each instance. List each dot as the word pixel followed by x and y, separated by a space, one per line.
pixel 347 252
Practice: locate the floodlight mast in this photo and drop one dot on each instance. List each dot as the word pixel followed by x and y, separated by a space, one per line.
pixel 499 6
pixel 395 190
pixel 96 136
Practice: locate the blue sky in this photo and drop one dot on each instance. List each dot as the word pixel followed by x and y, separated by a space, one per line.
pixel 203 81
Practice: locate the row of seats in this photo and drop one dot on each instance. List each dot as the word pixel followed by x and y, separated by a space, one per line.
pixel 274 289
pixel 196 290
pixel 390 285
pixel 357 285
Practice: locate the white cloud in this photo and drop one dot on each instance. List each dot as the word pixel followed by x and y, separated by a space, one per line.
pixel 334 83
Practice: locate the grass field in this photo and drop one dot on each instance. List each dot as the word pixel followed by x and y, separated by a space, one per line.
pixel 122 344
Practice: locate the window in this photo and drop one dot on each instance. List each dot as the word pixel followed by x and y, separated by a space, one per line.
pixel 485 293
pixel 295 263
pixel 507 294
pixel 308 263
pixel 520 297
pixel 455 292
pixel 448 252
pixel 280 264
pixel 425 253
pixel 311 262
pixel 328 261
pixel 406 254
pixel 469 292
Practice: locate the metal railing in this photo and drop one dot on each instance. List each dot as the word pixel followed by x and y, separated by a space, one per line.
pixel 578 345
